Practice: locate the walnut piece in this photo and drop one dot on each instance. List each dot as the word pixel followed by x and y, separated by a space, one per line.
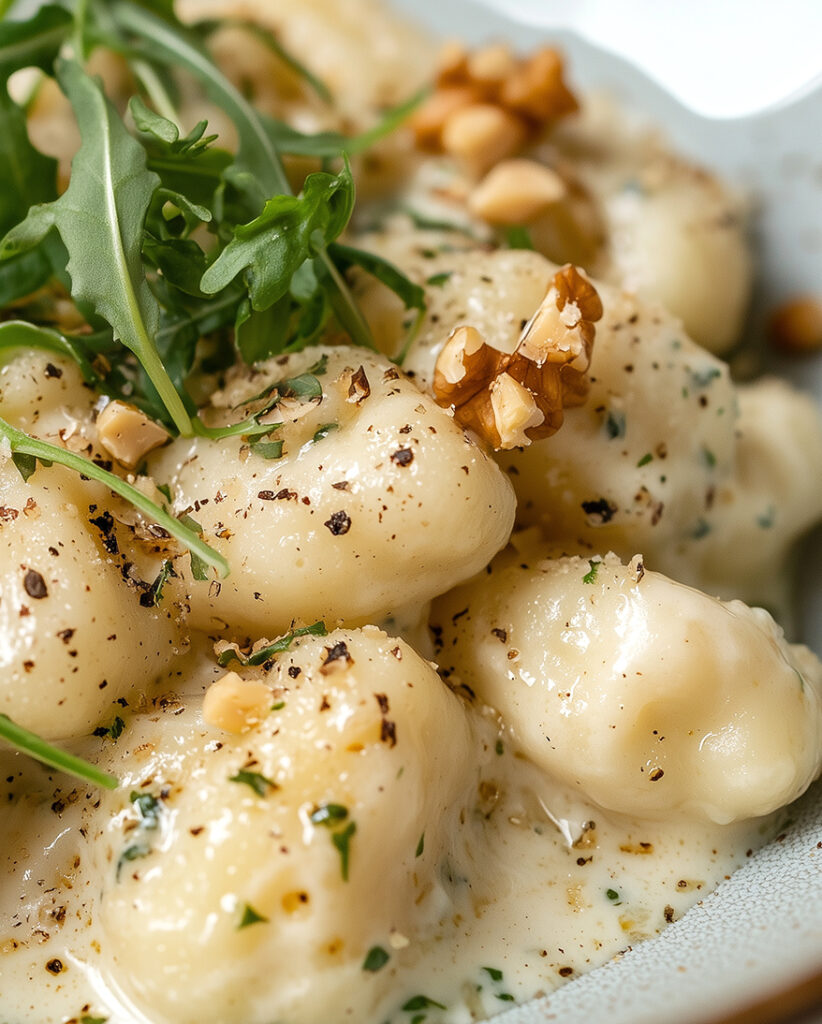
pixel 235 704
pixel 796 325
pixel 525 94
pixel 511 400
pixel 127 433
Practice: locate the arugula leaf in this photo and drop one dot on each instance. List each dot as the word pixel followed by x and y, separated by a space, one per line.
pixel 100 220
pixel 272 247
pixel 260 334
pixel 31 744
pixel 411 294
pixel 32 447
pixel 158 41
pixel 35 42
pixel 16 334
pixel 28 176
pixel 331 145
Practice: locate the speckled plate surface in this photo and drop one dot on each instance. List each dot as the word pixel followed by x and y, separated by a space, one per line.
pixel 760 934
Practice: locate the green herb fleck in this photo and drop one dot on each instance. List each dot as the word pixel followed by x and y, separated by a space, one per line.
pixel 420 846
pixel 591 575
pixel 250 916
pixel 646 458
pixel 276 647
pixel 615 424
pixel 325 430
pixel 114 731
pixel 148 807
pixel 499 748
pixel 342 840
pixel 422 1003
pixel 267 449
pixel 708 458
pixel 494 973
pixel 154 594
pixel 278 706
pixel 767 519
pixel 701 529
pixel 438 280
pixel 85 1019
pixel 259 783
pixel 506 997
pixel 329 815
pixel 518 237
pixel 376 959
pixel 613 895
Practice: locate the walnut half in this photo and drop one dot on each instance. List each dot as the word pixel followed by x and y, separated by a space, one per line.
pixel 511 400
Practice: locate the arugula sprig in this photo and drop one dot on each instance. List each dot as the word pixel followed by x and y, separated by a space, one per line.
pixel 30 743
pixel 100 219
pixel 26 451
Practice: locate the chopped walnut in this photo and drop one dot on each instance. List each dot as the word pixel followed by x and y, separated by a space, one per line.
pixel 493 95
pixel 511 400
pixel 235 704
pixel 127 433
pixel 796 325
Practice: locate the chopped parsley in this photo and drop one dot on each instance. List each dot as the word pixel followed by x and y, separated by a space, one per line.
pixel 328 815
pixel 420 846
pixel 324 431
pixel 494 973
pixel 422 1003
pixel 615 424
pixel 250 916
pixel 267 449
pixel 438 280
pixel 646 458
pixel 591 575
pixel 376 959
pixel 254 780
pixel 113 731
pixel 276 647
pixel 342 840
pixel 613 896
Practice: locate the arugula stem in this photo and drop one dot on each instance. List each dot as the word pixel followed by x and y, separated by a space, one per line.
pixel 157 92
pixel 30 743
pixel 24 444
pixel 172 47
pixel 249 427
pixel 79 33
pixel 158 375
pixel 348 312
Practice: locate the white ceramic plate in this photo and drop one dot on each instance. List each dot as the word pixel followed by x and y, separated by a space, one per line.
pixel 760 933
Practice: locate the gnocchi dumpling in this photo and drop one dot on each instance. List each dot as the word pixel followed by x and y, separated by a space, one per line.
pixel 377 499
pixel 650 698
pixel 250 875
pixel 76 634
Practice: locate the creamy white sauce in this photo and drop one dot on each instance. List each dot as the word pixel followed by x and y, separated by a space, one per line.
pixel 542 887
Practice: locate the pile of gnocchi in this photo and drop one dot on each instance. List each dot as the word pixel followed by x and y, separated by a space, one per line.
pixel 490 692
